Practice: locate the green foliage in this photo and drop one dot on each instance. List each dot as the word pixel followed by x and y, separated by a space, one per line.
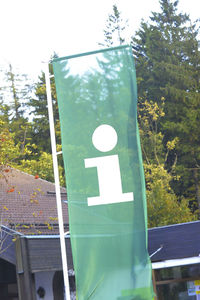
pixel 152 140
pixel 39 114
pixel 10 153
pixel 4 112
pixel 164 207
pixel 16 91
pixel 26 145
pixel 168 65
pixel 41 161
pixel 8 150
pixel 43 167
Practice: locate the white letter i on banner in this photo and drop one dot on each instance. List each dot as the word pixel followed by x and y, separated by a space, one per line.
pixel 110 186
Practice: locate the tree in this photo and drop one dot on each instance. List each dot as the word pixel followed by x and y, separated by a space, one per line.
pixel 15 93
pixel 114 34
pixel 41 161
pixel 168 65
pixel 13 90
pixel 39 113
pixel 8 150
pixel 17 89
pixel 41 167
pixel 4 112
pixel 164 207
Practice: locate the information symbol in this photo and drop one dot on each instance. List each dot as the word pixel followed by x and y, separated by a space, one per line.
pixel 105 139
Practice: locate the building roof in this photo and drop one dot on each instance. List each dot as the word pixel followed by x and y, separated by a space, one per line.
pixel 168 243
pixel 44 251
pixel 174 241
pixel 28 203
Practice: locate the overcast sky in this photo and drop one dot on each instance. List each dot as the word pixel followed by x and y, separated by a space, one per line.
pixel 31 30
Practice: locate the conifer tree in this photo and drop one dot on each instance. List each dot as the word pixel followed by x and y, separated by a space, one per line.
pixel 15 94
pixel 114 34
pixel 39 113
pixel 168 65
pixel 17 90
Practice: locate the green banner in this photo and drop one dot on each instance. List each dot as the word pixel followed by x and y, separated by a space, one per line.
pixel 97 101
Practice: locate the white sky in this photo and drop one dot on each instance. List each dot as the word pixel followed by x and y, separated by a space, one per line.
pixel 31 30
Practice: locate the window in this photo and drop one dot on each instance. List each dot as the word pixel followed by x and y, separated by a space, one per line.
pixel 178 283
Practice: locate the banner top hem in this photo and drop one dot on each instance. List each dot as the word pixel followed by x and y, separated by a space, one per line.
pixel 89 53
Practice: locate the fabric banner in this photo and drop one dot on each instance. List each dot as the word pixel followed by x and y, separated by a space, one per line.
pixel 97 102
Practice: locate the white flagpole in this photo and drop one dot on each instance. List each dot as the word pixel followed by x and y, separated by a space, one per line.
pixel 57 183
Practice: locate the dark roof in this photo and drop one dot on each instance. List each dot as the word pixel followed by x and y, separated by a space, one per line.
pixel 28 203
pixel 177 241
pixel 44 252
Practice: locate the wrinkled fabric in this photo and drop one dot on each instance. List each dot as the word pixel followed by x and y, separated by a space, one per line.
pixel 97 100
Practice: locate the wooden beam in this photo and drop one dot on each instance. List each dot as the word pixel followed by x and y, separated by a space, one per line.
pixel 25 279
pixel 177 280
pixel 154 284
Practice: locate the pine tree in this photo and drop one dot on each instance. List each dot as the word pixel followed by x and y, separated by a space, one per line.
pixel 17 90
pixel 114 34
pixel 39 113
pixel 168 65
pixel 15 93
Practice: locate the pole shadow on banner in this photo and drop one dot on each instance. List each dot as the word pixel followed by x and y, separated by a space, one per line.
pixel 97 100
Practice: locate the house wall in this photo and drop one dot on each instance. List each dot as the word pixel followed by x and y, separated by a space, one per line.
pixel 45 280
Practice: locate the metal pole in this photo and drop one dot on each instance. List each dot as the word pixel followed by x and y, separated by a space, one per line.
pixel 57 184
